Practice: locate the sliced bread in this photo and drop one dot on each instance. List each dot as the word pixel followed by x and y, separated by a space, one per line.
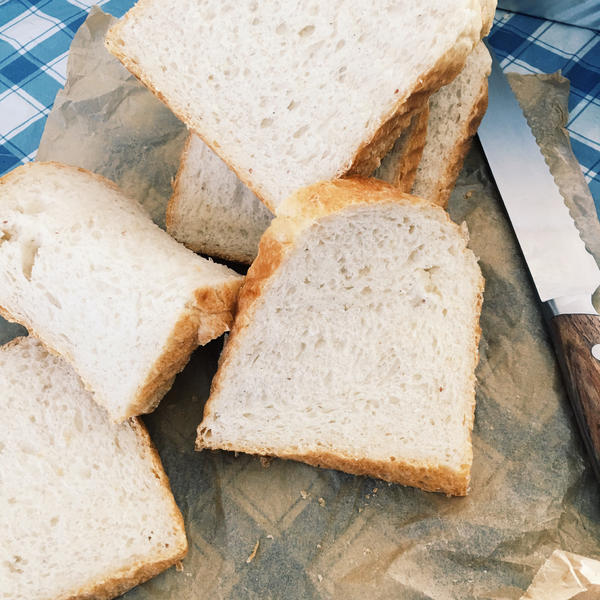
pixel 86 509
pixel 211 211
pixel 355 342
pixel 289 94
pixel 84 268
pixel 406 152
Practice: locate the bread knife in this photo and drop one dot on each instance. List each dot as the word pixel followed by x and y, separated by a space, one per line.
pixel 565 274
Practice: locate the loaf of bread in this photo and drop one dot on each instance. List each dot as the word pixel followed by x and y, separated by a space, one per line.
pixel 85 506
pixel 84 269
pixel 289 94
pixel 356 340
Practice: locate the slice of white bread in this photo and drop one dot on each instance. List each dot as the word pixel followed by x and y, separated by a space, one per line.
pixel 355 342
pixel 86 509
pixel 211 211
pixel 289 94
pixel 455 112
pixel 84 268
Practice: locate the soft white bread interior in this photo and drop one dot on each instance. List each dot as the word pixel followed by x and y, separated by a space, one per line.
pixel 454 116
pixel 86 509
pixel 289 94
pixel 84 268
pixel 211 211
pixel 356 340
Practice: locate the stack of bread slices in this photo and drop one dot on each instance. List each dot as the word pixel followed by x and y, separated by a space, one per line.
pixel 325 139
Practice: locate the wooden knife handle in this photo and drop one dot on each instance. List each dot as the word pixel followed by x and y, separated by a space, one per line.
pixel 577 343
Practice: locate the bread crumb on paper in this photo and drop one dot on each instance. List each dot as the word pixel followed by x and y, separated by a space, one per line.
pixel 253 553
pixel 320 577
pixel 304 494
pixel 179 566
pixel 468 194
pixel 266 461
pixel 322 502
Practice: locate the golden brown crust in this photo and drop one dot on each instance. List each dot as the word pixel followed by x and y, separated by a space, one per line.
pixel 368 157
pixel 296 214
pixel 208 316
pixel 406 169
pixel 488 10
pixel 174 199
pixel 426 475
pixel 369 154
pixel 456 159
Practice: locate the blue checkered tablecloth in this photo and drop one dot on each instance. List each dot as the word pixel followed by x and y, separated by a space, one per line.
pixel 35 36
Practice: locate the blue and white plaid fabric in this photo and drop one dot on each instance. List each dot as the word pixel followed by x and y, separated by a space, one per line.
pixel 35 36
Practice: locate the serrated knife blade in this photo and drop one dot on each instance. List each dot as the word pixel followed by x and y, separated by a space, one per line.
pixel 563 271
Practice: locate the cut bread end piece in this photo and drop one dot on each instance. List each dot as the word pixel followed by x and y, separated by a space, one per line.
pixel 108 520
pixel 84 269
pixel 355 342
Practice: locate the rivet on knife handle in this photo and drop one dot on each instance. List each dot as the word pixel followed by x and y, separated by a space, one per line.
pixel 576 340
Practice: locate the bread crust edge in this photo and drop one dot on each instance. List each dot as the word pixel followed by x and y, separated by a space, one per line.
pixel 127 578
pixel 455 162
pixel 405 156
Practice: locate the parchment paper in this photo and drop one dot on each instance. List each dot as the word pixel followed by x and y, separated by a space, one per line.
pixel 325 534
pixel 104 120
pixel 566 576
